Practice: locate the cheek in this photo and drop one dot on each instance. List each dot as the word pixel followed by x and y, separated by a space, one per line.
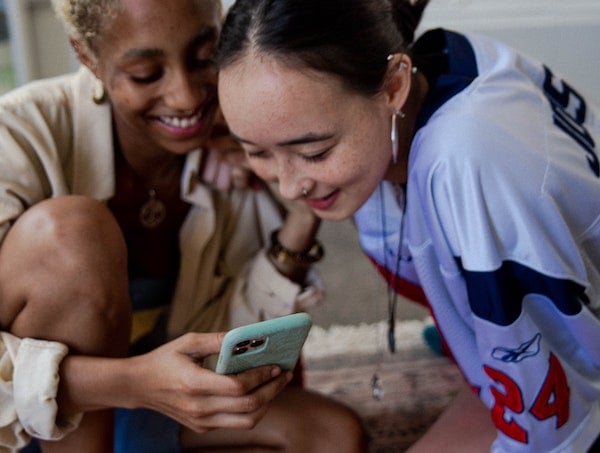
pixel 126 98
pixel 262 169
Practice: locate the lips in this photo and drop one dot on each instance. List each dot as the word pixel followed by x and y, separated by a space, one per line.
pixel 324 203
pixel 181 122
pixel 188 126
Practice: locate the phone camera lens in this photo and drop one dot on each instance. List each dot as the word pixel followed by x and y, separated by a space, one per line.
pixel 239 350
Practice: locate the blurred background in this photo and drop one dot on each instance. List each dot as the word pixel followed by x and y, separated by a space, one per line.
pixel 564 35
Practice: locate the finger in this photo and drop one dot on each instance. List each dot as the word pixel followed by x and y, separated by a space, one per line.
pixel 240 178
pixel 223 178
pixel 201 411
pixel 229 421
pixel 255 379
pixel 210 167
pixel 199 345
pixel 237 157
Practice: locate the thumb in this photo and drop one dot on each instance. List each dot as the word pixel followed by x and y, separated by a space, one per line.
pixel 200 345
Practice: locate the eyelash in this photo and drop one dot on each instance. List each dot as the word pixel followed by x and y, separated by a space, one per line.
pixel 317 157
pixel 197 64
pixel 309 158
pixel 147 79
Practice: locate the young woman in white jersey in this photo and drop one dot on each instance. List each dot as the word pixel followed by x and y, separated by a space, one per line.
pixel 473 178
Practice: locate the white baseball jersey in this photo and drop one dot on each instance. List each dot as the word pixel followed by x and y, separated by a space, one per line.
pixel 501 231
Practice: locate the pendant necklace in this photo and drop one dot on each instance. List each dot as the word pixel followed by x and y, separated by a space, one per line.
pixel 153 211
pixel 392 293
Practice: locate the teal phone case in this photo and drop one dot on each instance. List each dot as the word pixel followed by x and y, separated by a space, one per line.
pixel 276 341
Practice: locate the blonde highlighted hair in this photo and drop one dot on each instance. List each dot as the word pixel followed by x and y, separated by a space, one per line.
pixel 83 19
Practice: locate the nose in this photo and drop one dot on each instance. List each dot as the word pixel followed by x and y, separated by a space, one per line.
pixel 185 92
pixel 291 182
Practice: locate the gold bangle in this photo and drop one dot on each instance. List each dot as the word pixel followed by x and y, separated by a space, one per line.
pixel 286 256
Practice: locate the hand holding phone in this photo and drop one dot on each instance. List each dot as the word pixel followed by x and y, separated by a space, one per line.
pixel 276 341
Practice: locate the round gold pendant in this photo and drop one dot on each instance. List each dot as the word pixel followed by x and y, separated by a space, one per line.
pixel 153 212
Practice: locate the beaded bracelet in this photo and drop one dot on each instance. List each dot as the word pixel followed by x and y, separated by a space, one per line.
pixel 285 256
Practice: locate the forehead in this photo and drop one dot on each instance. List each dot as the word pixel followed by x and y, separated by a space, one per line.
pixel 140 10
pixel 257 92
pixel 147 19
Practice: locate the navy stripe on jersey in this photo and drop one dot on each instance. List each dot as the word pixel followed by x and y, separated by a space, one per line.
pixel 448 62
pixel 497 296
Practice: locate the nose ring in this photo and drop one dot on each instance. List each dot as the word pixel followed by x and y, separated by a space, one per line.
pixel 304 192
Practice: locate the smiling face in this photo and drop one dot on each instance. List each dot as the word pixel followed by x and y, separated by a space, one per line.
pixel 155 59
pixel 304 130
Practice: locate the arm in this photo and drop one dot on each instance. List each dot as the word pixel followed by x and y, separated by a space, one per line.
pixel 171 380
pixel 273 284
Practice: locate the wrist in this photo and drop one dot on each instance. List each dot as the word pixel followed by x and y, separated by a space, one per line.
pixel 294 263
pixel 91 383
pixel 303 257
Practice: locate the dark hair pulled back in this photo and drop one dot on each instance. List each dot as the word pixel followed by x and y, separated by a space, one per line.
pixel 350 39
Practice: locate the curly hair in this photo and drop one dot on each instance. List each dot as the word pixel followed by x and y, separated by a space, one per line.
pixel 83 19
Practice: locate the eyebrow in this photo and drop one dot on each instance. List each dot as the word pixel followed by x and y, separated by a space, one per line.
pixel 308 138
pixel 206 35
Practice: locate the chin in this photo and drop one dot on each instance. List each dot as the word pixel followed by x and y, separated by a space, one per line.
pixel 334 216
pixel 185 147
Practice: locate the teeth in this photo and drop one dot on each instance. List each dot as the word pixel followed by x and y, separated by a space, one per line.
pixel 181 123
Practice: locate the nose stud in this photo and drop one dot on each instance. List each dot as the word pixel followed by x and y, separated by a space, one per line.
pixel 304 192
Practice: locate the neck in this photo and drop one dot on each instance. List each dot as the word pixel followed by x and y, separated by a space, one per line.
pixel 398 172
pixel 152 165
pixel 153 169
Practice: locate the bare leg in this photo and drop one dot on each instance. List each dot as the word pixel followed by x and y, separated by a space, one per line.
pixel 464 427
pixel 297 421
pixel 63 277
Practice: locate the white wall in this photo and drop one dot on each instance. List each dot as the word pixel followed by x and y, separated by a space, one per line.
pixel 39 44
pixel 563 34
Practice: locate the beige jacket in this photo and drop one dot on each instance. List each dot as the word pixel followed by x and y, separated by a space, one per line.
pixel 55 141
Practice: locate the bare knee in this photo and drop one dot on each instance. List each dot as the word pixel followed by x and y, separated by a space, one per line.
pixel 319 424
pixel 63 276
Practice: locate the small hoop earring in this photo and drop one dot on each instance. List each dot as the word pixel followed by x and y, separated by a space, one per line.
pixel 98 93
pixel 395 135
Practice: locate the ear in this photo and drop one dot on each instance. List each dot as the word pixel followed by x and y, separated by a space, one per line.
pixel 85 55
pixel 398 80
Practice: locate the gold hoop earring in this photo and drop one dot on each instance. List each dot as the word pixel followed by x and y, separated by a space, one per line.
pixel 99 93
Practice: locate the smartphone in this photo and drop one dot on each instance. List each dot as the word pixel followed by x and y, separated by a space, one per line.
pixel 276 341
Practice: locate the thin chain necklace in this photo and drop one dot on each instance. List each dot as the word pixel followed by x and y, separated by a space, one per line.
pixel 153 211
pixel 392 293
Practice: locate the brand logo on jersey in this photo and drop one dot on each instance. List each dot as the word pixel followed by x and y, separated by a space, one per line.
pixel 569 109
pixel 527 349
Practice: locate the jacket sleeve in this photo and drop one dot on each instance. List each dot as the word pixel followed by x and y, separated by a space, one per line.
pixel 266 294
pixel 28 387
pixel 226 279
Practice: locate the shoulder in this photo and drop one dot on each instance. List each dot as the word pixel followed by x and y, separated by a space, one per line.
pixel 39 91
pixel 47 98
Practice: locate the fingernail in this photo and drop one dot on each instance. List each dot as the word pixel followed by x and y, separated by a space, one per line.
pixel 275 371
